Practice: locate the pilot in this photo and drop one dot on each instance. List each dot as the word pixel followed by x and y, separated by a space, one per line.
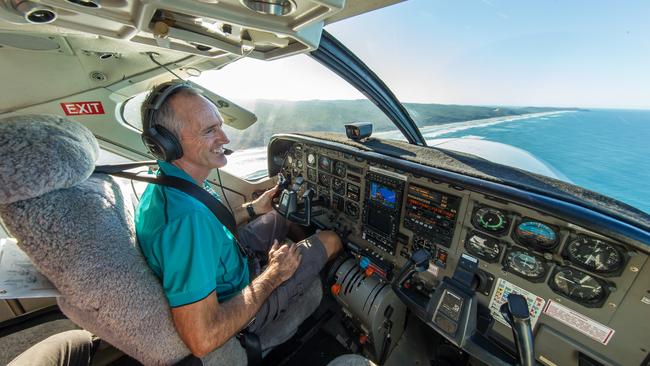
pixel 212 291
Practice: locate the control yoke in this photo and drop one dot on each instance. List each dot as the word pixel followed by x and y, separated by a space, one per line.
pixel 289 205
pixel 515 312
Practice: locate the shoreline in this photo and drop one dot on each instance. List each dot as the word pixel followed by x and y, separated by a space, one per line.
pixel 513 117
pixel 434 131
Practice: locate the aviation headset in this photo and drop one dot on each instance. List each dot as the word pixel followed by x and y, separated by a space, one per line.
pixel 160 141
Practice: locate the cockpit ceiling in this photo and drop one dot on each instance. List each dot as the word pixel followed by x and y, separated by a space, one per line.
pixel 207 28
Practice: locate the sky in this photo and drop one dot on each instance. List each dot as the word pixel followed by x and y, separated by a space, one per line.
pixel 515 53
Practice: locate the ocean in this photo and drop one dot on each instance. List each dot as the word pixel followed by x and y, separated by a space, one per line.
pixel 604 150
pixel 607 151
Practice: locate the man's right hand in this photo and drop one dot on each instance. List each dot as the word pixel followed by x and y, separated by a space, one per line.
pixel 206 324
pixel 283 261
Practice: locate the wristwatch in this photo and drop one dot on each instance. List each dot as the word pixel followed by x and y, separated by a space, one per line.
pixel 251 211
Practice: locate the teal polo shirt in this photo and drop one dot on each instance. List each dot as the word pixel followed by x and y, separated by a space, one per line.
pixel 185 245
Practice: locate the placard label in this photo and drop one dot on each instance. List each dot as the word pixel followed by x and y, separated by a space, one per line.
pixel 503 289
pixel 82 108
pixel 579 322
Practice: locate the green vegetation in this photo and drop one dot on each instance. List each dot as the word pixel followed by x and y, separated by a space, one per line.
pixel 330 115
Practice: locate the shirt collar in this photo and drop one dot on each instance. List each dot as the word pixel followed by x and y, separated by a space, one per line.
pixel 174 171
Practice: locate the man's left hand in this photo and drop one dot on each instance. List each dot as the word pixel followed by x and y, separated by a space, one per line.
pixel 262 204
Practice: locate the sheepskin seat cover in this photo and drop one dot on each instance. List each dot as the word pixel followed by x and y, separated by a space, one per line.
pixel 78 229
pixel 41 154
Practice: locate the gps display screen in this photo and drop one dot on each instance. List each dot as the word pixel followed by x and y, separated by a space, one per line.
pixel 382 195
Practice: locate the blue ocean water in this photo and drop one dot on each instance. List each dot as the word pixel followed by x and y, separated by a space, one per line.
pixel 607 151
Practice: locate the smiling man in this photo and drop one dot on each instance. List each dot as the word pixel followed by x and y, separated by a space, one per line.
pixel 212 292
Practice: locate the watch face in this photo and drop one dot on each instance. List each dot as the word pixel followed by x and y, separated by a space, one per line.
pixel 251 211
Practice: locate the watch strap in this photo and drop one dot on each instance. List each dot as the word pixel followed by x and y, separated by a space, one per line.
pixel 251 211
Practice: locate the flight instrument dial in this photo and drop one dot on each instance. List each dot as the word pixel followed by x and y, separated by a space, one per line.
pixel 339 168
pixel 594 255
pixel 311 159
pixel 483 246
pixel 491 220
pixel 525 264
pixel 578 286
pixel 536 234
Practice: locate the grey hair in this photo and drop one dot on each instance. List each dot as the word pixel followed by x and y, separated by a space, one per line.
pixel 165 115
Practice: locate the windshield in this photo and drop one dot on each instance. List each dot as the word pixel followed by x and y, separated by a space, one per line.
pixel 565 82
pixel 557 89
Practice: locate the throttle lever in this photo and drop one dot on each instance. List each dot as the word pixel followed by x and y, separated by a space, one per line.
pixel 515 312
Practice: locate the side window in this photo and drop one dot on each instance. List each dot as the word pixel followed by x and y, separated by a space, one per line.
pixel 107 157
pixel 294 94
pixel 131 110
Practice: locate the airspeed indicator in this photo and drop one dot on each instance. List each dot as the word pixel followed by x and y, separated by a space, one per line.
pixel 490 220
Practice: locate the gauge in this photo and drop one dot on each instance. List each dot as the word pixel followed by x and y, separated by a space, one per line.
pixel 325 163
pixel 525 264
pixel 490 219
pixel 338 186
pixel 299 162
pixel 536 234
pixel 578 286
pixel 311 174
pixel 594 254
pixel 324 180
pixel 339 169
pixel 351 209
pixel 483 247
pixel 289 159
pixel 311 159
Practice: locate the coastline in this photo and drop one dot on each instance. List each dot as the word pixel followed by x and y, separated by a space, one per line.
pixel 514 117
pixel 432 131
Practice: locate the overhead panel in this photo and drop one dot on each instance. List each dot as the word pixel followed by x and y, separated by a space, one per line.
pixel 264 30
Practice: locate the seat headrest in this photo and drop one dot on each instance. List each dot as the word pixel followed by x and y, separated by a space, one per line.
pixel 43 153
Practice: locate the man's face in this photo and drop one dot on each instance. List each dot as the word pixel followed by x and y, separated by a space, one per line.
pixel 202 136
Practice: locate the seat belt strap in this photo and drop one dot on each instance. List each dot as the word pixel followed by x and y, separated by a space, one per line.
pixel 214 205
pixel 253 346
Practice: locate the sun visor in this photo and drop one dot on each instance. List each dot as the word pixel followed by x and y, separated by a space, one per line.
pixel 233 115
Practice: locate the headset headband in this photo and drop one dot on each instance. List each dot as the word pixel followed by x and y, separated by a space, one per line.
pixel 160 141
pixel 158 97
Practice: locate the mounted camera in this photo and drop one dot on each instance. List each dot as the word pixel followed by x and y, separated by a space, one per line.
pixel 358 131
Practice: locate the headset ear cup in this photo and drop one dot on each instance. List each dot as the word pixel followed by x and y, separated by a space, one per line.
pixel 168 144
pixel 153 147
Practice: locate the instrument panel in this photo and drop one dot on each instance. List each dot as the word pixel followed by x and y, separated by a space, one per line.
pixel 386 213
pixel 393 213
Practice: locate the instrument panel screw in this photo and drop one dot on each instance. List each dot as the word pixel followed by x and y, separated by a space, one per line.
pixel 612 305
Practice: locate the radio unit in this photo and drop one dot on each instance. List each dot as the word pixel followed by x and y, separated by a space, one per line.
pixel 431 214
